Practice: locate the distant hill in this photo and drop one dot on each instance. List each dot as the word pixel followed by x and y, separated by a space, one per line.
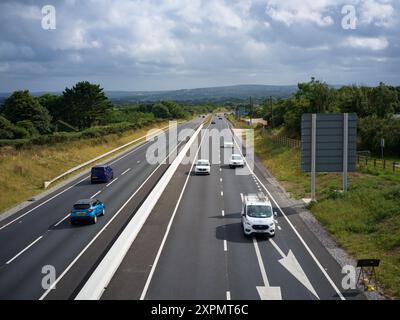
pixel 201 95
pixel 225 94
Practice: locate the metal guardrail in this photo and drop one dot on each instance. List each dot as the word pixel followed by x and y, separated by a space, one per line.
pixel 82 165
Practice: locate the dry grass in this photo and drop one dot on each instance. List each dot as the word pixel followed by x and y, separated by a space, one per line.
pixel 23 172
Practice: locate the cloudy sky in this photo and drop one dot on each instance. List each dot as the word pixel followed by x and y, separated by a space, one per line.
pixel 173 44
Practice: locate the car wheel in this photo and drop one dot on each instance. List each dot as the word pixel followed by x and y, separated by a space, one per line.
pixel 103 212
pixel 94 220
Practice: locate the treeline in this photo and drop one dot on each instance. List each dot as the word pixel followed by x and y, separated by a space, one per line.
pixel 81 111
pixel 378 109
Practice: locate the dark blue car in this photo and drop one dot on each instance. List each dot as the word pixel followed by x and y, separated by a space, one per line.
pixel 101 174
pixel 87 210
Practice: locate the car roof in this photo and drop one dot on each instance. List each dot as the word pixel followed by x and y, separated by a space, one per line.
pixel 203 160
pixel 100 166
pixel 236 154
pixel 85 201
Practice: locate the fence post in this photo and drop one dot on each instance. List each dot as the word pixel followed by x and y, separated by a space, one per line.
pixel 384 163
pixel 374 163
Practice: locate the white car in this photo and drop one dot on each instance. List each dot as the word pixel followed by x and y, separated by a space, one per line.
pixel 236 161
pixel 202 167
pixel 257 215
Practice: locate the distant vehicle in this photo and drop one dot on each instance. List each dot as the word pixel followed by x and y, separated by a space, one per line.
pixel 257 215
pixel 203 116
pixel 202 167
pixel 101 174
pixel 228 144
pixel 213 122
pixel 220 118
pixel 87 210
pixel 236 161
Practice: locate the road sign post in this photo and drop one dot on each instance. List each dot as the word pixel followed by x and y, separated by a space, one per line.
pixel 328 144
pixel 313 154
pixel 345 149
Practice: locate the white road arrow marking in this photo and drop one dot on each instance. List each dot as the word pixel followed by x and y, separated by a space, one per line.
pixel 291 264
pixel 266 292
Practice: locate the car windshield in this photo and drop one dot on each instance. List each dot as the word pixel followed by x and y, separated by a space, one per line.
pixel 236 157
pixel 255 211
pixel 81 206
pixel 97 170
pixel 202 163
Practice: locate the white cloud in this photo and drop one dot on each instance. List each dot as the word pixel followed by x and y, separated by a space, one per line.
pixel 374 44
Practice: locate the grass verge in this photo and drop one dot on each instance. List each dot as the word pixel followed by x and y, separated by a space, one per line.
pixel 365 221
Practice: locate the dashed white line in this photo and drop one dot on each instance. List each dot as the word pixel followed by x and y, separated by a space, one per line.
pixel 59 222
pixel 223 213
pixel 125 171
pixel 222 193
pixel 225 246
pixel 279 228
pixel 276 221
pixel 220 179
pixel 107 185
pixel 95 194
pixel 21 252
pixel 228 295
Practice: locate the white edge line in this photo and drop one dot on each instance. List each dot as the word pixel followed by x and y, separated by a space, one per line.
pixel 22 251
pixel 153 267
pixel 100 232
pixel 295 231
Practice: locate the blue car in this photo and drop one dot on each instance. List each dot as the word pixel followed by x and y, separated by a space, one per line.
pixel 101 174
pixel 87 210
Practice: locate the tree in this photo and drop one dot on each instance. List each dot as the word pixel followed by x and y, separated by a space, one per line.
pixel 53 104
pixel 85 105
pixel 22 106
pixel 161 111
pixel 6 129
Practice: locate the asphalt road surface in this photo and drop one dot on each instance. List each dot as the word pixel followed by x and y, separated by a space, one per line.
pixel 40 235
pixel 192 246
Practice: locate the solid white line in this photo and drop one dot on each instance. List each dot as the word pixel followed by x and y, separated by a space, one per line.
pixel 223 213
pixel 21 252
pixel 98 192
pixel 154 265
pixel 297 233
pixel 125 171
pixel 260 263
pixel 228 295
pixel 44 202
pixel 59 222
pixel 107 185
pixel 101 231
pixel 225 246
